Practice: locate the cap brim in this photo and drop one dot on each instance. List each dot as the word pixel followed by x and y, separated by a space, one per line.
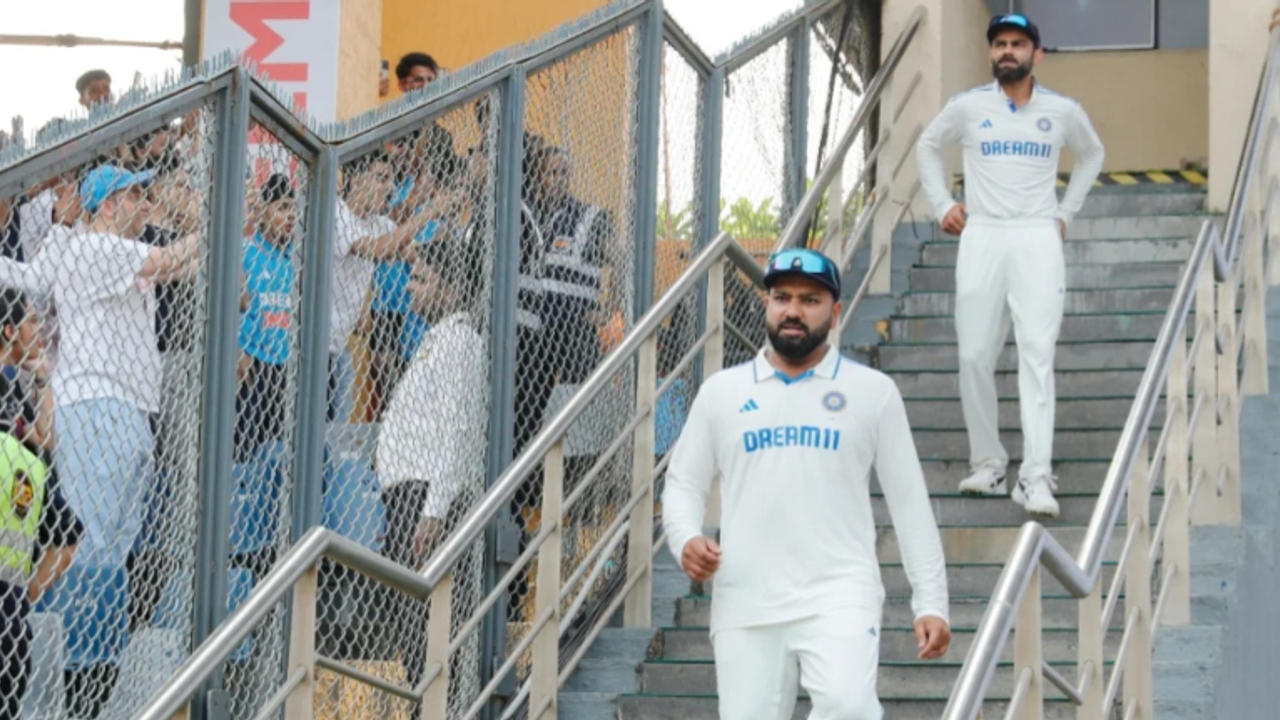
pixel 773 277
pixel 994 30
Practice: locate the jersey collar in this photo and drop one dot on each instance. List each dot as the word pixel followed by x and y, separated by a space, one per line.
pixel 762 370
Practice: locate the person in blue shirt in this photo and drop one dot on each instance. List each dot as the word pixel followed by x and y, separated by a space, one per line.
pixel 426 170
pixel 266 319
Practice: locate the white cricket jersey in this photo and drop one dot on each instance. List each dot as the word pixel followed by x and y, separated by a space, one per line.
pixel 1011 154
pixel 795 457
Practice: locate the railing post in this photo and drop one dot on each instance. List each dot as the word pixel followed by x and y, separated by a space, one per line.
pixel 546 644
pixel 1254 319
pixel 1028 650
pixel 637 611
pixel 1204 434
pixel 1137 588
pixel 1226 478
pixel 300 705
pixel 1091 636
pixel 435 702
pixel 646 170
pixel 713 362
pixel 1177 536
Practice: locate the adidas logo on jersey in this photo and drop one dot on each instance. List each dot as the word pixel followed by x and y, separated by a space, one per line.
pixel 986 123
pixel 751 405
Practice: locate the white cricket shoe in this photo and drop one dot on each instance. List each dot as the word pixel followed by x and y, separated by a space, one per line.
pixel 1035 495
pixel 984 481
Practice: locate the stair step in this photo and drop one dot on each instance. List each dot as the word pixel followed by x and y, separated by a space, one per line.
pixel 950 443
pixel 1075 327
pixel 1115 382
pixel 943 476
pixel 966 610
pixel 954 509
pixel 703 707
pixel 1155 246
pixel 1120 227
pixel 927 415
pixel 989 543
pixel 1077 301
pixel 1080 276
pixel 975 579
pixel 1141 204
pixel 896 643
pixel 895 680
pixel 1073 355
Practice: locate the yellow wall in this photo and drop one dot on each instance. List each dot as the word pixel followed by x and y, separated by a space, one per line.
pixel 1153 110
pixel 459 32
pixel 359 38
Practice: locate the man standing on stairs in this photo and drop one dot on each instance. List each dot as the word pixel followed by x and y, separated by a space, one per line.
pixel 1010 262
pixel 794 434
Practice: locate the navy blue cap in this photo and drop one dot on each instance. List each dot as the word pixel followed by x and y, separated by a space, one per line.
pixel 1013 21
pixel 802 261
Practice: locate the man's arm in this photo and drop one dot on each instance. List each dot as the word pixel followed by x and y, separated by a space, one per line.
pixel 945 129
pixel 392 245
pixel 1084 142
pixel 53 564
pixel 902 481
pixel 693 465
pixel 177 261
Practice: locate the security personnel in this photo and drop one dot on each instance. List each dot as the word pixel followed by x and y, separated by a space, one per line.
pixel 1011 264
pixel 38 534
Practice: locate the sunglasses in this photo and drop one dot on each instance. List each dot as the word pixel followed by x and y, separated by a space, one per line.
pixel 1013 19
pixel 805 261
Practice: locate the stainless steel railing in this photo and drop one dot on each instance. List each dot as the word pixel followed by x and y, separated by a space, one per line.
pixel 1202 380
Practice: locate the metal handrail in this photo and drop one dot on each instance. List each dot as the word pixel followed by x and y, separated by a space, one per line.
pixel 794 231
pixel 1035 545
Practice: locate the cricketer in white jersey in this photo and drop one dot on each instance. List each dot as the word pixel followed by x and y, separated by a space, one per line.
pixel 794 435
pixel 1010 265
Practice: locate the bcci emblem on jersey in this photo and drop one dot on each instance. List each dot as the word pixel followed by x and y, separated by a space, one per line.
pixel 23 495
pixel 1044 124
pixel 833 401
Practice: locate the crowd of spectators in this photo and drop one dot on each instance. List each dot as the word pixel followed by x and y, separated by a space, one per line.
pixel 101 350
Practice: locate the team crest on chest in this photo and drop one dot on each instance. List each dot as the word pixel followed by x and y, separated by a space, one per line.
pixel 1044 124
pixel 834 401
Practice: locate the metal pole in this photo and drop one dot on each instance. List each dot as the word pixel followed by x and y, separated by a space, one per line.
pixel 711 135
pixel 313 362
pixel 646 174
pixel 797 120
pixel 502 537
pixel 192 27
pixel 218 416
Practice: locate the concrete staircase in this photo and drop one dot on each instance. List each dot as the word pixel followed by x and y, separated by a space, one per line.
pixel 1123 256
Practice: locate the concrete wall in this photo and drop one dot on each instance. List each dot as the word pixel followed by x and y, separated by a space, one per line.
pixel 359 39
pixel 1237 44
pixel 1152 112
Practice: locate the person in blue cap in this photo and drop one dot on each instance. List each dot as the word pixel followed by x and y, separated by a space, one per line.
pixel 793 435
pixel 106 385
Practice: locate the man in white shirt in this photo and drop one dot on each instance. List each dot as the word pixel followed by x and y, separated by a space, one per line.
pixel 106 383
pixel 1010 264
pixel 794 435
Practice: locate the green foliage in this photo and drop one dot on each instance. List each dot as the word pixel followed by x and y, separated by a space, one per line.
pixel 677 225
pixel 744 220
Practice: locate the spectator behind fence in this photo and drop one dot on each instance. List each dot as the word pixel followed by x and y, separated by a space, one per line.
pixel 44 530
pixel 364 235
pixel 266 319
pixel 426 166
pixel 107 383
pixel 431 452
pixel 94 88
pixel 415 71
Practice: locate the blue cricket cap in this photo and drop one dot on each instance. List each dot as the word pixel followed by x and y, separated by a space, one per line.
pixel 801 261
pixel 106 179
pixel 1013 21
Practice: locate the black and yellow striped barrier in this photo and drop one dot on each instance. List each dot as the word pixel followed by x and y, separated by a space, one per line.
pixel 1190 178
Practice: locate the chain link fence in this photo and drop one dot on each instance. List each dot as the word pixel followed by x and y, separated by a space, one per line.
pixel 154 524
pixel 103 283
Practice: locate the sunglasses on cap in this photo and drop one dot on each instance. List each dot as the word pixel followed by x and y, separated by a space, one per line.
pixel 1011 19
pixel 800 261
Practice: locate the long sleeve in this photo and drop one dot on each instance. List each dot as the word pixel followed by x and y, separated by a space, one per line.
pixel 902 481
pixel 32 278
pixel 688 483
pixel 1089 153
pixel 946 128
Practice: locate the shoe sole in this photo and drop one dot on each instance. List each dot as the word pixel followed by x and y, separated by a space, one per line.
pixel 1037 512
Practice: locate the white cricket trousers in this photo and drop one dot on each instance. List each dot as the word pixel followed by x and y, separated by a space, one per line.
pixel 833 656
pixel 1009 270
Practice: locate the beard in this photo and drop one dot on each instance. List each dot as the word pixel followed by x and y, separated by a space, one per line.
pixel 1010 74
pixel 796 348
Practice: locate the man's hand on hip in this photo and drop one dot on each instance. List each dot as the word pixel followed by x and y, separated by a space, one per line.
pixel 953 222
pixel 933 637
pixel 1062 228
pixel 700 558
